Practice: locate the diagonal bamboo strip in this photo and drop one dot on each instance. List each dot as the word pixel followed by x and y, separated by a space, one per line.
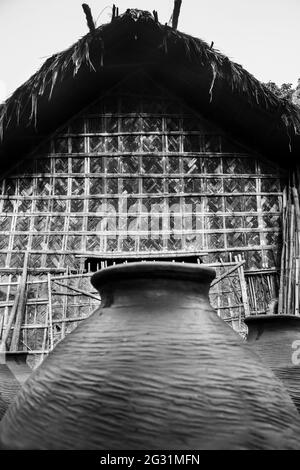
pixel 234 268
pixel 87 294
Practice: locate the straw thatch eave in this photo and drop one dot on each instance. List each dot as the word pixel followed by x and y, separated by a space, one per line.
pixel 220 89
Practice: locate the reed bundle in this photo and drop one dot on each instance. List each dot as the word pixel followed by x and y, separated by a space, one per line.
pixel 288 302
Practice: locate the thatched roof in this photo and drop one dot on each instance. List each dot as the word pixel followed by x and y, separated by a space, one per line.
pixel 219 88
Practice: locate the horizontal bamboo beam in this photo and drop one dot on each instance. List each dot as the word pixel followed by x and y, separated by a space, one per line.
pixel 160 254
pixel 163 174
pixel 141 254
pixel 265 271
pixel 124 234
pixel 206 154
pixel 107 256
pixel 3 303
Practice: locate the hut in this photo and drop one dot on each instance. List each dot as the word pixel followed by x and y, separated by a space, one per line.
pixel 140 142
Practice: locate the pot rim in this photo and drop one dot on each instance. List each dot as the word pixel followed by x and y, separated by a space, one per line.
pixel 270 318
pixel 156 270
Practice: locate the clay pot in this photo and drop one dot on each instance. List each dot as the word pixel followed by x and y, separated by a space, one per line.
pixel 13 373
pixel 276 338
pixel 152 368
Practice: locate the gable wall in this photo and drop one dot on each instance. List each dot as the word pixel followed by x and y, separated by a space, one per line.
pixel 136 174
pixel 133 154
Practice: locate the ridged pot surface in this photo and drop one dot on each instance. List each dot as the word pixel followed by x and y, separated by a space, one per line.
pixel 152 368
pixel 276 338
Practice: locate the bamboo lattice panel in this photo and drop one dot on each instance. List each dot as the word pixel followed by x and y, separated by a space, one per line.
pixel 137 172
pixel 52 310
pixel 55 305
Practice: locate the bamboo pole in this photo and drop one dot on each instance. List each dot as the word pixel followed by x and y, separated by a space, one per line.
pixel 11 319
pixel 234 268
pixel 50 313
pixel 297 287
pixel 64 315
pixel 1 325
pixel 282 261
pixel 254 296
pixel 297 207
pixel 297 245
pixel 289 305
pixel 230 281
pixel 11 316
pixel 243 285
pixel 286 259
pixel 231 313
pixel 45 327
pixel 20 308
pixel 219 308
pixel 87 294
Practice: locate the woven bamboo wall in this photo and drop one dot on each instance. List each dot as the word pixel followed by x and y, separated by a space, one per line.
pixel 90 191
pixel 139 150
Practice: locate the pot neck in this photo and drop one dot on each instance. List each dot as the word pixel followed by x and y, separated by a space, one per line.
pixel 150 292
pixel 149 283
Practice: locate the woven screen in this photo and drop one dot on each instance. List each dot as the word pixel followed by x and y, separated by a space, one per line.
pixel 138 172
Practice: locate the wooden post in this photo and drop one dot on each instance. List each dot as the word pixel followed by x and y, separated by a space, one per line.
pixel 89 17
pixel 176 13
pixel 20 308
pixel 113 15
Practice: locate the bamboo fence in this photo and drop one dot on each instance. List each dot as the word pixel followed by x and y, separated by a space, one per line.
pixel 288 301
pixel 53 306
